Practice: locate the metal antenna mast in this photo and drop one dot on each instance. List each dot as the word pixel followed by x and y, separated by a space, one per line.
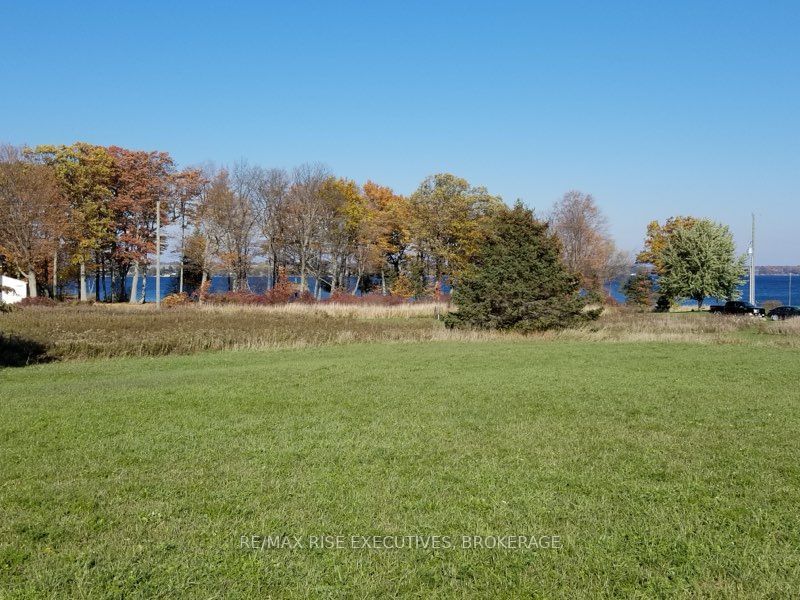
pixel 752 252
pixel 158 253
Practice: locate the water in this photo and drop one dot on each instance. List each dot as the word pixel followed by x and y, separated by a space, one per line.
pixel 768 287
pixel 219 283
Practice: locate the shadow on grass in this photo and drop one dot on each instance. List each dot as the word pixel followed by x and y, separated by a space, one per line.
pixel 16 351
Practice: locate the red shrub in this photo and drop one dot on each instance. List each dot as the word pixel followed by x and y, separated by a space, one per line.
pixel 340 297
pixel 235 298
pixel 37 301
pixel 305 297
pixel 175 300
pixel 283 290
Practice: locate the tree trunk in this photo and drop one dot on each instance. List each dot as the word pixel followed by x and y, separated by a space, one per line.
pixel 383 282
pixel 55 273
pixel 105 281
pixel 83 296
pixel 134 283
pixel 302 272
pixel 97 277
pixel 318 277
pixel 274 269
pixel 239 275
pixel 203 278
pixel 144 288
pixel 32 284
pixel 112 292
pixel 114 283
pixel 122 275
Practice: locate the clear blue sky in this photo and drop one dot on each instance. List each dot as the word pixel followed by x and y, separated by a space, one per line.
pixel 656 108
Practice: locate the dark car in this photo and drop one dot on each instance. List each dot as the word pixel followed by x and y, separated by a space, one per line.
pixel 738 307
pixel 784 312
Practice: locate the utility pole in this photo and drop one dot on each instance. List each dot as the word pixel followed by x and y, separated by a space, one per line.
pixel 752 252
pixel 790 288
pixel 158 253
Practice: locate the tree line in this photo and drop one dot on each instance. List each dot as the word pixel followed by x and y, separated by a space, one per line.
pixel 73 212
pixel 521 278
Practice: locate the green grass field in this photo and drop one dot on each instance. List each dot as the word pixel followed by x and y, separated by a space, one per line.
pixel 665 468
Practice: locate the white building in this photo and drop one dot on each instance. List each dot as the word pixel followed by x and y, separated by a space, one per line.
pixel 19 289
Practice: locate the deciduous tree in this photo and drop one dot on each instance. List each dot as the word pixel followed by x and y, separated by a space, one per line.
pixel 84 173
pixel 33 213
pixel 655 243
pixel 346 223
pixel 230 220
pixel 141 182
pixel 700 261
pixel 391 218
pixel 189 185
pixel 448 222
pixel 588 248
pixel 271 202
pixel 197 259
pixel 657 240
pixel 305 210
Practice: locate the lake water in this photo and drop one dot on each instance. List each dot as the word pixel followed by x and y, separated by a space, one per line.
pixel 219 283
pixel 768 287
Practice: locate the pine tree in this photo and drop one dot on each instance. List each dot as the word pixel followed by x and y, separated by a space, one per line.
pixel 517 280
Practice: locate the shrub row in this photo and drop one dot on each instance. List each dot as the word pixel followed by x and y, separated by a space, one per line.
pixel 272 297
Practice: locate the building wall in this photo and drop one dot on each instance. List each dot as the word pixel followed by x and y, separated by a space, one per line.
pixel 20 290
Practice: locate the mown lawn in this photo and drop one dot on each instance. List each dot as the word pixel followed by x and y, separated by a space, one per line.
pixel 664 468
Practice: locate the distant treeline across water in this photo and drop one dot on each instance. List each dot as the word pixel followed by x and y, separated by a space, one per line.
pixel 777 270
pixel 783 288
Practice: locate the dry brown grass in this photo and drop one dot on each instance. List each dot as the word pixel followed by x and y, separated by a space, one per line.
pixel 122 330
pixel 334 310
pixel 69 332
pixel 788 327
pixel 696 327
pixel 618 324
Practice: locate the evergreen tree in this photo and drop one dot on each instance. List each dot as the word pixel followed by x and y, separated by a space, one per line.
pixel 517 280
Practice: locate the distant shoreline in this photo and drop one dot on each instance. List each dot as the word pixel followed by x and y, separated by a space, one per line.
pixel 777 270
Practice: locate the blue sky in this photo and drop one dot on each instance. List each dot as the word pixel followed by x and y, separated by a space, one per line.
pixel 656 108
